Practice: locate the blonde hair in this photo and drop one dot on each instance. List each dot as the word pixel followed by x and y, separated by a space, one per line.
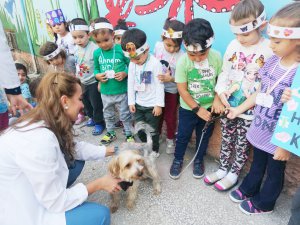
pixel 289 15
pixel 50 110
pixel 245 9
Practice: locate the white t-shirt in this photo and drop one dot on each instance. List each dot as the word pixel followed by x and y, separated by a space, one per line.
pixel 66 43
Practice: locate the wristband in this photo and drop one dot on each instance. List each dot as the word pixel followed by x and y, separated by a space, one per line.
pixel 196 109
pixel 13 91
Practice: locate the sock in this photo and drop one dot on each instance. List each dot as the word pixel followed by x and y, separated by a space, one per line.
pixel 232 177
pixel 221 173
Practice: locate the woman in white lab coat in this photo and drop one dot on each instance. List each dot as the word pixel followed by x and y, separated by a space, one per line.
pixel 34 157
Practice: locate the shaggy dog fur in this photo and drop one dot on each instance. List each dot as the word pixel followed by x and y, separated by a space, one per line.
pixel 132 164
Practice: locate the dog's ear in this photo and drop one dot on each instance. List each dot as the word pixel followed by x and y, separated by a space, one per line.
pixel 114 167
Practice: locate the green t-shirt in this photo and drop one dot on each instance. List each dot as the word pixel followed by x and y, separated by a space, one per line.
pixel 201 82
pixel 112 59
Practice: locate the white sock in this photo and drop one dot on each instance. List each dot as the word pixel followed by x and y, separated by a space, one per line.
pixel 232 177
pixel 221 173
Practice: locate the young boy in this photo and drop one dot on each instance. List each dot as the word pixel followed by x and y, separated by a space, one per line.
pixel 111 70
pixel 84 58
pixel 145 91
pixel 196 75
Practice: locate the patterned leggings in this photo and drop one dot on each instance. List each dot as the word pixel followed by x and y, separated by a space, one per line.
pixel 234 144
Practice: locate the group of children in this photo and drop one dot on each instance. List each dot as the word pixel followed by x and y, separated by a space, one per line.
pixel 247 84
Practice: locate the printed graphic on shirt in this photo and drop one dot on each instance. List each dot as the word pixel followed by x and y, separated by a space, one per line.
pixel 201 83
pixel 243 77
pixel 145 77
pixel 108 64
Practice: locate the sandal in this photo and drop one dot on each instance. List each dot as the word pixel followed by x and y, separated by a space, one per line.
pixel 211 179
pixel 98 130
pixel 90 123
pixel 224 185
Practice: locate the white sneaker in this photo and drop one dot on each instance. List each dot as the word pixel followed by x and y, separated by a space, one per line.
pixel 154 154
pixel 170 146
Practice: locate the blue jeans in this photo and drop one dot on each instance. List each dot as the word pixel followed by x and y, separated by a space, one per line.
pixel 264 198
pixel 188 121
pixel 88 213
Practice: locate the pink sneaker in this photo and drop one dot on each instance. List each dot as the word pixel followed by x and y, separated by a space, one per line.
pixel 80 119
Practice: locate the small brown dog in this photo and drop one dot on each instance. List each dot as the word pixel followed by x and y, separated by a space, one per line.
pixel 132 164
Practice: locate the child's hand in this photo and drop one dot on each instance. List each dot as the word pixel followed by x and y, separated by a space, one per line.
pixel 157 110
pixel 232 113
pixel 101 77
pixel 224 96
pixel 286 96
pixel 281 154
pixel 132 108
pixel 120 76
pixel 217 106
pixel 204 114
pixel 166 77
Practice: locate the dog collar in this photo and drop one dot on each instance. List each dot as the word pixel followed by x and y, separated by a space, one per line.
pixel 125 185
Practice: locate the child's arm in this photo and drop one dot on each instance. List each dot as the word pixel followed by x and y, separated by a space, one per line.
pixel 281 154
pixel 217 106
pixel 159 91
pixel 130 89
pixel 120 76
pixel 286 95
pixel 98 75
pixel 188 99
pixel 166 77
pixel 249 103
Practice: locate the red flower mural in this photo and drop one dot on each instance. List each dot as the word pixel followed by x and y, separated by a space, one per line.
pixel 215 6
pixel 116 11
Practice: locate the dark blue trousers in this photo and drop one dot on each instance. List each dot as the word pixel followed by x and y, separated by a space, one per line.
pixel 188 121
pixel 74 171
pixel 264 196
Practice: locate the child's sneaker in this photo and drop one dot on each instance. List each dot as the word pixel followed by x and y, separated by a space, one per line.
pixel 248 208
pixel 170 146
pixel 175 169
pixel 108 138
pixel 90 123
pixel 80 119
pixel 237 196
pixel 130 138
pixel 154 154
pixel 211 178
pixel 198 171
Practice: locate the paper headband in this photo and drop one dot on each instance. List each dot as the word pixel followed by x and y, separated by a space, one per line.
pixel 197 47
pixel 73 27
pixel 249 26
pixel 119 32
pixel 102 25
pixel 53 54
pixel 55 17
pixel 132 52
pixel 283 32
pixel 170 33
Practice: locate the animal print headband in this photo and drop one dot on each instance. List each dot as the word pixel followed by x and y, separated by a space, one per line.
pixel 283 32
pixel 249 26
pixel 170 33
pixel 197 47
pixel 52 54
pixel 74 27
pixel 102 25
pixel 119 32
pixel 132 52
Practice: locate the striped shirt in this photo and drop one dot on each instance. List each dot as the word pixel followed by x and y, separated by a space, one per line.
pixel 265 119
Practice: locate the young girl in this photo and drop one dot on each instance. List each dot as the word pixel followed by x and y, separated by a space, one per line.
pixel 24 79
pixel 276 75
pixel 238 80
pixel 119 30
pixel 168 52
pixel 63 37
pixel 57 58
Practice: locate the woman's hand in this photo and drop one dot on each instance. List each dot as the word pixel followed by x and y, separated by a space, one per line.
pixel 286 95
pixel 105 183
pixel 281 154
pixel 157 110
pixel 110 150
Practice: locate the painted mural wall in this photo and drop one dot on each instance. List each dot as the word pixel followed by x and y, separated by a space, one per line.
pixel 26 18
